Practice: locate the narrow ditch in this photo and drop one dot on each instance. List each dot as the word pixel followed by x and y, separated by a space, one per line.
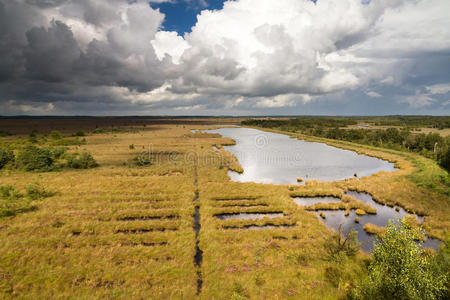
pixel 246 205
pixel 147 218
pixel 145 244
pixel 236 199
pixel 198 258
pixel 257 227
pixel 249 215
pixel 144 230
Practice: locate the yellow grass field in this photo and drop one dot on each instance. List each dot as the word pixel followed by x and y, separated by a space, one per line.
pixel 122 231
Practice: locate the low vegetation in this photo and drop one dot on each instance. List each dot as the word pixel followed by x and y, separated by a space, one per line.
pixel 81 161
pixel 44 159
pixel 340 246
pixel 12 202
pixel 33 158
pixel 6 157
pixel 374 229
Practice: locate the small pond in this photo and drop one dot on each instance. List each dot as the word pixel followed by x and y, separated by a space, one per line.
pixel 336 218
pixel 279 159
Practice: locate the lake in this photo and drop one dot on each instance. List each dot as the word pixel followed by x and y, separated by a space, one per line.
pixel 268 157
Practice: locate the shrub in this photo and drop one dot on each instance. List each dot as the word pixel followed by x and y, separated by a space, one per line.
pixel 69 141
pixel 131 146
pixel 36 192
pixel 5 133
pixel 33 140
pixel 6 156
pixel 9 192
pixel 59 152
pixel 99 130
pixel 33 137
pixel 341 245
pixel 333 273
pixel 33 158
pixel 399 270
pixel 12 202
pixel 56 135
pixel 80 133
pixel 81 161
pixel 143 159
pixel 440 265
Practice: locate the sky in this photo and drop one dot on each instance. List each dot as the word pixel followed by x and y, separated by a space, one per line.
pixel 214 57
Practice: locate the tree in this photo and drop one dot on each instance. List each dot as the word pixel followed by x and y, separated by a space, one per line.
pixel 444 158
pixel 400 270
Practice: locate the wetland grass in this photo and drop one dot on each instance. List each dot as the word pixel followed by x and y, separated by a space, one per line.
pixel 126 231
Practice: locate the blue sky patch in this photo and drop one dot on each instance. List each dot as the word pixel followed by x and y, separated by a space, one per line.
pixel 181 15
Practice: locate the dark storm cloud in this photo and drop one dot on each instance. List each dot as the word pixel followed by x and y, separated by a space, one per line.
pixel 41 59
pixel 97 56
pixel 51 53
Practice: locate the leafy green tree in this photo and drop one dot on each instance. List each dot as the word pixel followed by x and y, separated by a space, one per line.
pixel 400 270
pixel 444 158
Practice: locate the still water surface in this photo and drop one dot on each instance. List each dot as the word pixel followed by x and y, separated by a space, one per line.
pixel 279 159
pixel 336 218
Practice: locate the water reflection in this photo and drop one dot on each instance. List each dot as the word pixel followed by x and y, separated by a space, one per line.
pixel 336 218
pixel 276 158
pixel 307 201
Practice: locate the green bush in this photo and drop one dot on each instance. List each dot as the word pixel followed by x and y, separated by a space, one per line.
pixel 33 140
pixel 33 158
pixel 33 137
pixel 399 269
pixel 80 133
pixel 440 265
pixel 12 202
pixel 6 157
pixel 36 192
pixel 59 152
pixel 56 135
pixel 81 161
pixel 9 192
pixel 341 246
